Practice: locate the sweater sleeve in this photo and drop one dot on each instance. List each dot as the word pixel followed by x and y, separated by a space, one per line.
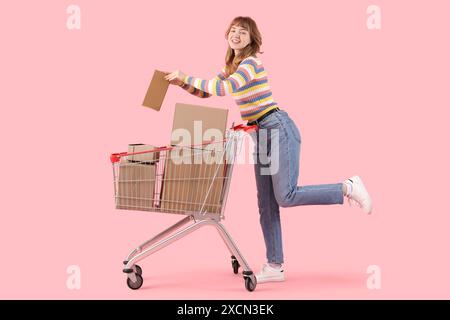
pixel 200 93
pixel 245 73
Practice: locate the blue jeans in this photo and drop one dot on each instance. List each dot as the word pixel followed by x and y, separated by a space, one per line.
pixel 276 170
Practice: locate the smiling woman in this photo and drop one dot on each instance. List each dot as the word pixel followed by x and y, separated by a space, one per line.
pixel 238 38
pixel 277 143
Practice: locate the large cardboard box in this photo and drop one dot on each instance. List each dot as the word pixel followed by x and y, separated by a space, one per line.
pixel 156 91
pixel 177 187
pixel 136 186
pixel 208 186
pixel 193 187
pixel 200 121
pixel 186 185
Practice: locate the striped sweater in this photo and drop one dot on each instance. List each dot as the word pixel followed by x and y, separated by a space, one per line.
pixel 249 87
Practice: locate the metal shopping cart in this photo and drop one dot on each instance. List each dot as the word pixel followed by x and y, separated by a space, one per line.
pixel 190 180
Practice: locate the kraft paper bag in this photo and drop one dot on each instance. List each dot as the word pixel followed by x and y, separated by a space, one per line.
pixel 156 91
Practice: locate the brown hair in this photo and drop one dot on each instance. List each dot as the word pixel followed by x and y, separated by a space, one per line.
pixel 232 61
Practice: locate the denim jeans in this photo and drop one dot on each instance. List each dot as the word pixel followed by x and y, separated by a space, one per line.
pixel 276 170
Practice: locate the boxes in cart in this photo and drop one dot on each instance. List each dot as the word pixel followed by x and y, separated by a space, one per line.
pixel 194 174
pixel 145 153
pixel 136 186
pixel 136 178
pixel 209 185
pixel 192 187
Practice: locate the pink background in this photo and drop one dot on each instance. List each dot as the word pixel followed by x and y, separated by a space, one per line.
pixel 367 102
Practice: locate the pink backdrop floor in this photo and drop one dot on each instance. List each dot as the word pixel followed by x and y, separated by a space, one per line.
pixel 368 102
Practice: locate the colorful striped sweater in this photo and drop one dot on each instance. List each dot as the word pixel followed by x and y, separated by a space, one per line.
pixel 249 87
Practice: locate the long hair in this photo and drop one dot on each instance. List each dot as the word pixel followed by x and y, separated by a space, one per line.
pixel 232 61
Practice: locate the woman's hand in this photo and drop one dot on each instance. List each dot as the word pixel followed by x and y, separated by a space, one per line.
pixel 175 77
pixel 176 82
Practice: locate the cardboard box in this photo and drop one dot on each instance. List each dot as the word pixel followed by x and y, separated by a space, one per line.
pixel 136 186
pixel 193 187
pixel 208 186
pixel 146 158
pixel 156 91
pixel 186 185
pixel 198 121
pixel 177 187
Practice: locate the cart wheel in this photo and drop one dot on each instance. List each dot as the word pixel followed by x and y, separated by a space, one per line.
pixel 138 269
pixel 135 285
pixel 235 264
pixel 250 283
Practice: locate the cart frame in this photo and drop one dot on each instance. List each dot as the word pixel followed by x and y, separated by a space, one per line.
pixel 196 220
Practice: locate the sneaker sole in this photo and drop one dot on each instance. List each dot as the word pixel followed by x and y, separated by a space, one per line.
pixel 269 280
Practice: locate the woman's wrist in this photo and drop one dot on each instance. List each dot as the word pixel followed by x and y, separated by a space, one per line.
pixel 185 79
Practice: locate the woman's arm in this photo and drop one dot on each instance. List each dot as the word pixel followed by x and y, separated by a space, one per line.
pixel 245 73
pixel 200 93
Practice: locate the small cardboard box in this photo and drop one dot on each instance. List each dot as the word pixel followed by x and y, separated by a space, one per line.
pixel 136 186
pixel 156 91
pixel 146 157
pixel 186 185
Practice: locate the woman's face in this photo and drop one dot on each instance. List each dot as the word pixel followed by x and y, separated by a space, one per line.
pixel 238 38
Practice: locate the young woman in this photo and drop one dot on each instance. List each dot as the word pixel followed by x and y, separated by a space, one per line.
pixel 245 78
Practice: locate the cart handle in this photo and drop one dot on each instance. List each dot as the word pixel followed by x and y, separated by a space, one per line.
pixel 245 128
pixel 115 157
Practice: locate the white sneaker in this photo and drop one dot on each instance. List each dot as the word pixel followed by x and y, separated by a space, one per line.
pixel 269 274
pixel 359 194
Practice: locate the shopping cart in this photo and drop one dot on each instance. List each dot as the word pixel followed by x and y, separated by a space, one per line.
pixel 190 180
